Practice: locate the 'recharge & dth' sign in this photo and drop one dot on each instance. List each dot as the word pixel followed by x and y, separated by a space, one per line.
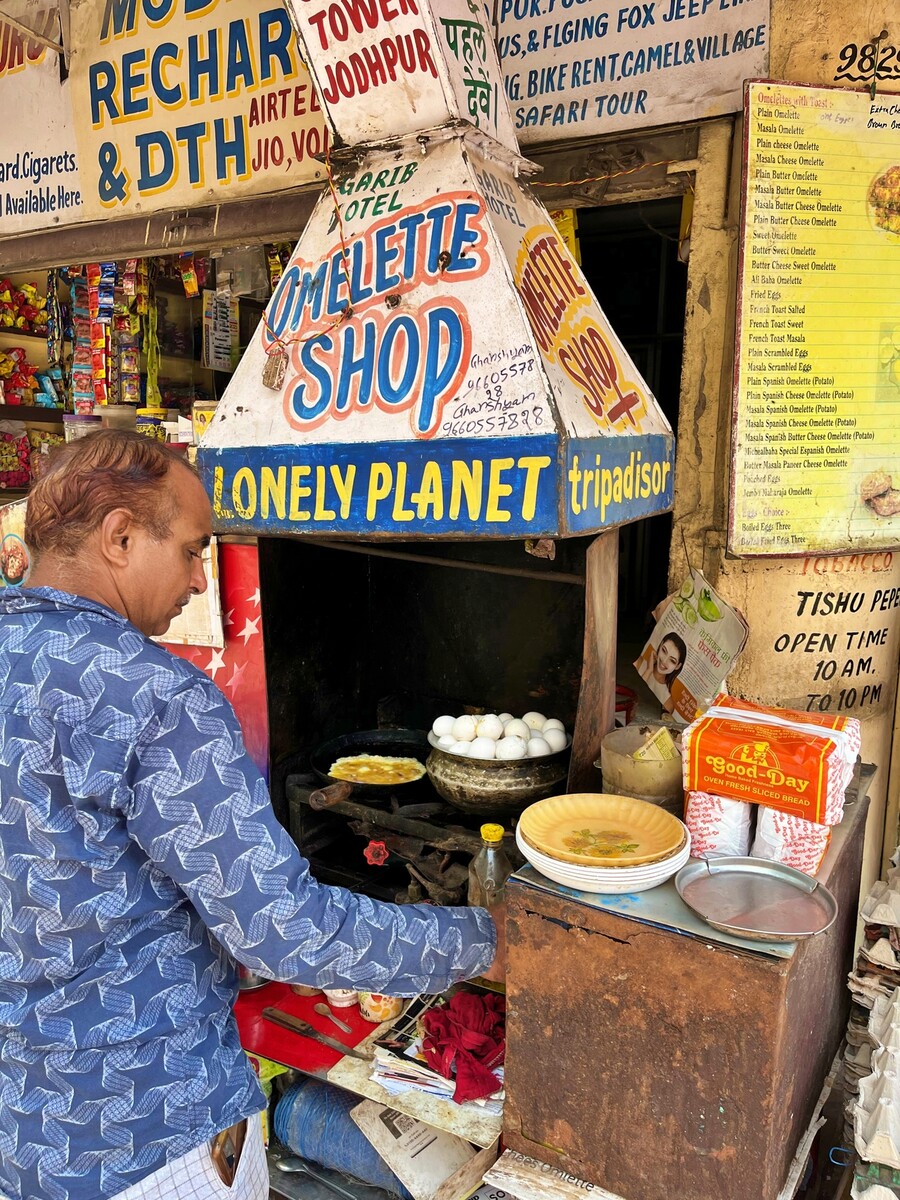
pixel 187 101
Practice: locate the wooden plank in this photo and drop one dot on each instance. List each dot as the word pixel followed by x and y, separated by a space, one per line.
pixel 597 699
pixel 468 1121
pixel 31 412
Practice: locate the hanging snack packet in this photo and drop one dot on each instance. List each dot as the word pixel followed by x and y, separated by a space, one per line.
pixel 188 275
pixel 129 278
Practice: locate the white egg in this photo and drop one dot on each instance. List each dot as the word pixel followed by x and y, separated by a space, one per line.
pixel 537 747
pixel 553 723
pixel 517 729
pixel 534 720
pixel 483 747
pixel 464 729
pixel 443 726
pixel 505 718
pixel 489 726
pixel 447 742
pixel 555 738
pixel 462 748
pixel 511 747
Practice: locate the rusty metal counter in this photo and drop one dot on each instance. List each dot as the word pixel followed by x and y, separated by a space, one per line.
pixel 659 1059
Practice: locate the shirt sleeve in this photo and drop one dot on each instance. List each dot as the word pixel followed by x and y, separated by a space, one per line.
pixel 201 812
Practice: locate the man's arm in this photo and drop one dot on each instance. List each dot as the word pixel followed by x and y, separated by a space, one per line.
pixel 201 812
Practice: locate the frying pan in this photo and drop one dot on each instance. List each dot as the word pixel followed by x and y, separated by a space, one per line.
pixel 390 743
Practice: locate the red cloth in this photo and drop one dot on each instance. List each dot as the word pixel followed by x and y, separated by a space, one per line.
pixel 466 1038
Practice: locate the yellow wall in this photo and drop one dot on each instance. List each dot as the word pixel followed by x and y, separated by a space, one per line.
pixel 806 40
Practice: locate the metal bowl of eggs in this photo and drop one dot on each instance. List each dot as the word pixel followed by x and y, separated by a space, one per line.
pixel 495 764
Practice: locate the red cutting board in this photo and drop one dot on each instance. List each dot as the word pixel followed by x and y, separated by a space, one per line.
pixel 259 1036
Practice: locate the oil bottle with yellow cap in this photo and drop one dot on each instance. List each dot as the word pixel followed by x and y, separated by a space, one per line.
pixel 489 870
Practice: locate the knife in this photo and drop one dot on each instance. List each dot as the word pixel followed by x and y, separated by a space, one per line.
pixel 306 1030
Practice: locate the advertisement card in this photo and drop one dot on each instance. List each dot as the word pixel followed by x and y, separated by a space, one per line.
pixel 692 648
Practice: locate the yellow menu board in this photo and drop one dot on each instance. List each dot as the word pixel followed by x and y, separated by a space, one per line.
pixel 817 376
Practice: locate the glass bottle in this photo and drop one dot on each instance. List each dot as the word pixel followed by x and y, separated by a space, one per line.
pixel 489 869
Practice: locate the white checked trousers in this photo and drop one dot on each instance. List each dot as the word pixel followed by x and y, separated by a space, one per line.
pixel 194 1177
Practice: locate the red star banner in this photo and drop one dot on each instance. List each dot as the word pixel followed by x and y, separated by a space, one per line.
pixel 239 668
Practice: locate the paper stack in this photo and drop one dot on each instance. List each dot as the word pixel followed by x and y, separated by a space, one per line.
pixel 399 1064
pixel 401 1071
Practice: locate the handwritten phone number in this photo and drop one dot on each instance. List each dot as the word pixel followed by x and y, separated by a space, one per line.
pixel 527 420
pixel 868 62
pixel 492 381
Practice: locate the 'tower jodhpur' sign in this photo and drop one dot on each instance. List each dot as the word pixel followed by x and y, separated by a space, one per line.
pixel 447 370
pixel 385 68
pixel 40 186
pixel 578 68
pixel 183 102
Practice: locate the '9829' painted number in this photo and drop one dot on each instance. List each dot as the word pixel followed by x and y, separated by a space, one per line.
pixel 862 64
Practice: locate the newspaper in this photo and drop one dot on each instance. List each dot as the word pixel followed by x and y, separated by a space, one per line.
pixel 694 645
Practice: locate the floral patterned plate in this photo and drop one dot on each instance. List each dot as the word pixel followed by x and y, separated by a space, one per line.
pixel 599 830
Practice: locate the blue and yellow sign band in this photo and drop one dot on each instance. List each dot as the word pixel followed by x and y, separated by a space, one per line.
pixel 611 481
pixel 505 487
pixel 498 487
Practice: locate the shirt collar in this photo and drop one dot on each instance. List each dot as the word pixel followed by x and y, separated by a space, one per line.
pixel 19 599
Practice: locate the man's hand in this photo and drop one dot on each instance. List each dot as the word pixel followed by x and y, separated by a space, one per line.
pixel 496 972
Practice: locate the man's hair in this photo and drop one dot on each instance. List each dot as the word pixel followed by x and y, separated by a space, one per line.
pixel 87 479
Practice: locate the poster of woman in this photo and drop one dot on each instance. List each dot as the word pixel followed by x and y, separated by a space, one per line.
pixel 692 648
pixel 660 667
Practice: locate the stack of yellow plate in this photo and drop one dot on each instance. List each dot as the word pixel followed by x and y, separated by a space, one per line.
pixel 600 843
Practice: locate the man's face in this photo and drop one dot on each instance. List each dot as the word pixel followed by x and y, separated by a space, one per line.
pixel 162 576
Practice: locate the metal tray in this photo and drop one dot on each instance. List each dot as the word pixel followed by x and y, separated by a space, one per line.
pixel 755 899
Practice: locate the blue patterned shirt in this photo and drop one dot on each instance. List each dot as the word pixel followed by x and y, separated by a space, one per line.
pixel 138 853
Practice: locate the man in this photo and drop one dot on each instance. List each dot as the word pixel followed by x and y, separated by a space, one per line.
pixel 139 852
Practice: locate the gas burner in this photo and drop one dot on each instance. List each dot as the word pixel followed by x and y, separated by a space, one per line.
pixel 400 852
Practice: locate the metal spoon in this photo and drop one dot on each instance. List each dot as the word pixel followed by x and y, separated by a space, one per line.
pixel 296 1166
pixel 324 1011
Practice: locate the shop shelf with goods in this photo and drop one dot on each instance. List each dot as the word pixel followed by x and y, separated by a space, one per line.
pixel 23 307
pixel 194 351
pixel 23 336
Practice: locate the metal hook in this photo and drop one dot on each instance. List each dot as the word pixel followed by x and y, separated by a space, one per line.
pixel 876 46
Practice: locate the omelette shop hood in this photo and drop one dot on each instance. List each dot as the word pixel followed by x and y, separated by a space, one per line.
pixel 434 363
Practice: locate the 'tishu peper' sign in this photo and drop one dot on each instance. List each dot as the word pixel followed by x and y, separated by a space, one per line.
pixel 187 101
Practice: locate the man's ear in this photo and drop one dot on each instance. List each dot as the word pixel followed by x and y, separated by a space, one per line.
pixel 116 536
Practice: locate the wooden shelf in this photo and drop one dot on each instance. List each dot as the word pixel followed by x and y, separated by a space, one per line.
pixel 17 334
pixel 31 412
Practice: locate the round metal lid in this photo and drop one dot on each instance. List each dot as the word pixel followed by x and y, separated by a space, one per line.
pixel 755 899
